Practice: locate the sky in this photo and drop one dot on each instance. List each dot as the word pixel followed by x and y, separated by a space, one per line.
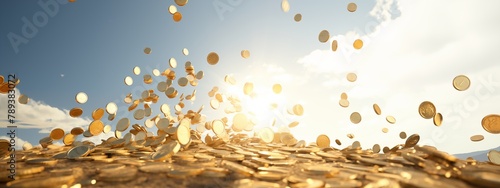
pixel 411 53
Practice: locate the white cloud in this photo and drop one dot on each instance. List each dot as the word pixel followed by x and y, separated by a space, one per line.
pixel 405 61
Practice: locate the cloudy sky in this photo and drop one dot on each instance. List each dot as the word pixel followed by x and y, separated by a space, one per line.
pixel 411 53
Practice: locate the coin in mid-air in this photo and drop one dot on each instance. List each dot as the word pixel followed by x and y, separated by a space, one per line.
pixel 427 110
pixel 81 97
pixel 355 117
pixel 323 36
pixel 212 58
pixel 351 7
pixel 461 83
pixel 297 17
pixel 491 123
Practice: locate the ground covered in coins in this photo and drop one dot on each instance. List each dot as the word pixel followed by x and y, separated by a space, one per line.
pixel 242 162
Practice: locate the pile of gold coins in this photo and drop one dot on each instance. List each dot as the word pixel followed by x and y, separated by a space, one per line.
pixel 188 150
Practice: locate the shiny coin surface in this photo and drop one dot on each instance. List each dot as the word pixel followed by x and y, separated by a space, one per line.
pixel 183 135
pixel 358 44
pixel 111 108
pixel 212 58
pixel 298 110
pixel 173 63
pixel 355 117
pixel 323 36
pixel 491 123
pixel 477 138
pixel 75 112
pixel 214 103
pixel 391 119
pixel 297 17
pixel 285 5
pixel 96 127
pixel 351 7
pixel 136 70
pixel 293 124
pixel 56 134
pixel 147 50
pixel 81 98
pixel 128 81
pixel 97 113
pixel 494 157
pixel 351 77
pixel 69 139
pixel 461 82
pixel 377 109
pixel 323 141
pixel 172 9
pixel 438 119
pixel 185 51
pixel 427 110
pixel 245 54
pixel 107 129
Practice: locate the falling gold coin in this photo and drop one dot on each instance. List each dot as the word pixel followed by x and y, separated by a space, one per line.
pixel 212 58
pixel 427 110
pixel 355 117
pixel 106 129
pixel 77 131
pixel 185 51
pixel 343 96
pixel 139 114
pixel 23 99
pixel 75 112
pixel 111 108
pixel 81 98
pixel 96 127
pixel 337 141
pixel 385 130
pixel 245 54
pixel 323 141
pixel 391 119
pixel 323 36
pixel 183 81
pixel 147 50
pixel 461 83
pixel 298 110
pixel 491 123
pixel 358 44
pixel 334 45
pixel 172 9
pixel 181 2
pixel 156 72
pixel 351 136
pixel 177 16
pixel 56 134
pixel 494 157
pixel 351 77
pixel 97 113
pixel 218 127
pixel 285 5
pixel 412 141
pixel 248 88
pixel 438 119
pixel 277 88
pixel 344 103
pixel 136 70
pixel 293 124
pixel 172 62
pixel 351 7
pixel 266 134
pixel 122 124
pixel 183 135
pixel 402 135
pixel 376 148
pixel 68 139
pixel 377 109
pixel 297 17
pixel 128 81
pixel 477 138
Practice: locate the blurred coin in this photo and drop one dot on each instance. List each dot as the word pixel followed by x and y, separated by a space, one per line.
pixel 97 113
pixel 491 123
pixel 172 62
pixel 477 138
pixel 277 88
pixel 323 36
pixel 351 77
pixel 323 141
pixel 96 127
pixel 111 108
pixel 128 81
pixel 172 9
pixel 245 54
pixel 293 124
pixel 390 119
pixel 344 103
pixel 181 2
pixel 81 97
pixel 214 103
pixel 23 99
pixel 136 70
pixel 78 151
pixel 334 45
pixel 343 96
pixel 412 141
pixel 218 127
pixel 438 119
pixel 75 112
pixel 494 157
pixel 385 130
pixel 377 109
pixel 183 81
pixel 156 72
pixel 56 134
pixel 123 124
pixel 266 134
pixel 298 110
pixel 461 83
pixel 376 148
pixel 351 7
pixel 199 75
pixel 147 50
pixel 248 88
pixel 139 114
pixel 427 110
pixel 402 135
pixel 285 5
pixel 77 131
pixel 106 129
pixel 185 51
pixel 183 135
pixel 337 141
pixel 358 44
pixel 297 17
pixel 69 139
pixel 177 16
pixel 212 58
pixel 355 117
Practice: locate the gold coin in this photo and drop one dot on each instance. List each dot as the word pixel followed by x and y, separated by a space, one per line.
pixel 139 114
pixel 77 131
pixel 181 2
pixel 96 127
pixel 385 130
pixel 87 134
pixel 390 119
pixel 297 17
pixel 240 121
pixel 351 77
pixel 266 134
pixel 402 135
pixel 358 44
pixel 172 9
pixel 56 134
pixel 172 62
pixel 199 75
pixel 277 88
pixel 438 119
pixel 298 110
pixel 214 103
pixel 355 117
pixel 212 58
pixel 69 139
pixel 156 72
pixel 351 7
pixel 477 138
pixel 245 54
pixel 218 127
pixel 128 81
pixel 122 124
pixel 491 123
pixel 248 88
pixel 461 83
pixel 81 97
pixel 137 70
pixel 285 5
pixel 427 110
pixel 351 136
pixel 334 45
pixel 343 96
pixel 344 103
pixel 412 140
pixel 23 99
pixel 111 108
pixel 183 81
pixel 106 129
pixel 293 124
pixel 147 50
pixel 2 79
pixel 494 157
pixel 377 109
pixel 185 51
pixel 323 141
pixel 376 148
pixel 183 135
pixel 323 36
pixel 177 17
pixel 97 113
pixel 337 141
pixel 75 112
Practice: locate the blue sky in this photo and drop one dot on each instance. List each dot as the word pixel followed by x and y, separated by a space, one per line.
pixel 96 44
